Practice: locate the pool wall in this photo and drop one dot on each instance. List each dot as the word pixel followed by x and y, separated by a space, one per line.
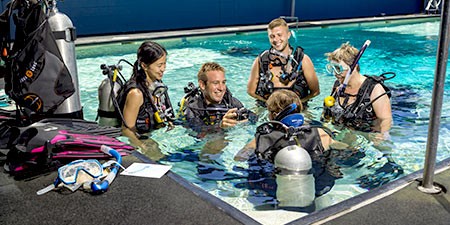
pixel 118 16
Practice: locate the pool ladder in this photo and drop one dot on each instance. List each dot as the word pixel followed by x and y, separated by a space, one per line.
pixel 292 16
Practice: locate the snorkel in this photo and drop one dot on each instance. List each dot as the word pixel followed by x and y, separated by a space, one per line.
pixel 329 101
pixel 98 186
pixel 352 67
pixel 87 174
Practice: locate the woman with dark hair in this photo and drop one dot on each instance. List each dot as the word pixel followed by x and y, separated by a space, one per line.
pixel 145 103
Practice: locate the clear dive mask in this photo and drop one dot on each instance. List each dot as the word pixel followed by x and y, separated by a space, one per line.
pixel 336 68
pixel 76 171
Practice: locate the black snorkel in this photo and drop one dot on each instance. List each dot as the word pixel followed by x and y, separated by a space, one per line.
pixel 352 67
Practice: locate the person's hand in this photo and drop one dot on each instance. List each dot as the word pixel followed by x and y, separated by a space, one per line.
pixel 229 119
pixel 150 148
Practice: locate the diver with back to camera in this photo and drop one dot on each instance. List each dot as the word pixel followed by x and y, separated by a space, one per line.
pixel 290 155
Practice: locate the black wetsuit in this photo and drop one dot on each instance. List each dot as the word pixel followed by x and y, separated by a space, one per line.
pixel 198 113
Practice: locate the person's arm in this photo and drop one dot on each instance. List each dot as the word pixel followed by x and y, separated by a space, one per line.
pixel 382 109
pixel 246 151
pixel 133 102
pixel 253 81
pixel 311 78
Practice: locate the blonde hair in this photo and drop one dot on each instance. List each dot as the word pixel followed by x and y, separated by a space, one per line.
pixel 276 23
pixel 346 53
pixel 206 67
pixel 280 99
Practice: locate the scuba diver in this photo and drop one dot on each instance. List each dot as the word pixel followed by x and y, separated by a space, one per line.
pixel 289 154
pixel 144 100
pixel 282 67
pixel 361 103
pixel 212 104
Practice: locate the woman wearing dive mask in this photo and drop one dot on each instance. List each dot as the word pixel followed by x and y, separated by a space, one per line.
pixel 363 104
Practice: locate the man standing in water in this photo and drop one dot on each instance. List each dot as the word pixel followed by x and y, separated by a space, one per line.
pixel 282 67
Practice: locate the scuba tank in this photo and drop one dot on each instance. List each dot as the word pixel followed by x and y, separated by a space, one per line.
pixel 107 94
pixel 106 109
pixel 295 181
pixel 65 36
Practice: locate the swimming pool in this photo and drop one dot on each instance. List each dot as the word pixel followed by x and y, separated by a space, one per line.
pixel 407 48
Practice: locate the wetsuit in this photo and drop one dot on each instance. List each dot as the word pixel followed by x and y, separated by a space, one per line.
pixel 197 112
pixel 360 114
pixel 265 86
pixel 146 120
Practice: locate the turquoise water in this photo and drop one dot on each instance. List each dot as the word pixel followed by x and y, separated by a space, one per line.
pixel 408 49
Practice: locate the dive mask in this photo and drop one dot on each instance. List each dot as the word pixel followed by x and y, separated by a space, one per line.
pixel 70 173
pixel 336 68
pixel 277 58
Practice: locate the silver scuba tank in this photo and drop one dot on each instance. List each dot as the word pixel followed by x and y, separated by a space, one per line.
pixel 65 35
pixel 295 182
pixel 105 104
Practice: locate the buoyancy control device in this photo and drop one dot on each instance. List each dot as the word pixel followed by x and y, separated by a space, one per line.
pixel 40 74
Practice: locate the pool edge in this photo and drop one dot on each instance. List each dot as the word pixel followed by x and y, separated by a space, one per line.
pixel 130 37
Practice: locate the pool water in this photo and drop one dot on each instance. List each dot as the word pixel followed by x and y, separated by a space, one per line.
pixel 407 48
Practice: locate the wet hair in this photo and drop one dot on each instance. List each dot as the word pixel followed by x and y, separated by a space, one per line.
pixel 206 67
pixel 148 53
pixel 280 99
pixel 346 53
pixel 276 23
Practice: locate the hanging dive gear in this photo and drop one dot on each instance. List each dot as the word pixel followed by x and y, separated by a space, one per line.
pixel 39 79
pixel 65 35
